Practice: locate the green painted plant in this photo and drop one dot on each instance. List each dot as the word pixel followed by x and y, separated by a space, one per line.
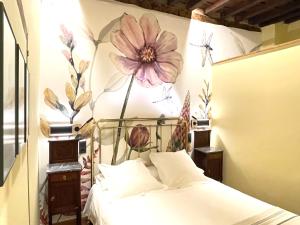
pixel 205 96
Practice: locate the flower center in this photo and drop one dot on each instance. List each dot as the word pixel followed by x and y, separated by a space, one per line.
pixel 147 54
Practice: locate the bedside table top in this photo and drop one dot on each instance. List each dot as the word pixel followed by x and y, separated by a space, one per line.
pixel 208 149
pixel 63 167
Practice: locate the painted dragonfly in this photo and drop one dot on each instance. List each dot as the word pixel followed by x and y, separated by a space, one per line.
pixel 205 48
pixel 165 95
pixel 166 100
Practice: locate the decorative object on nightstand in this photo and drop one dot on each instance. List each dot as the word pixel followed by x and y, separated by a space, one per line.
pixel 210 159
pixel 64 178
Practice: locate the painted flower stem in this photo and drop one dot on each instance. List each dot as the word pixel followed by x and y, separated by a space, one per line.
pixel 115 153
pixel 93 102
pixel 78 76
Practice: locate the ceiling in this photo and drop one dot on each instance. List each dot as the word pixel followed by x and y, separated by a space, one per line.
pixel 247 14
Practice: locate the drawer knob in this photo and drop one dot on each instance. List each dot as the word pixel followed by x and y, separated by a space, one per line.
pixel 52 198
pixel 64 177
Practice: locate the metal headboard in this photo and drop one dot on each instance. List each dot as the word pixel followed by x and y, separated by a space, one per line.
pixel 164 134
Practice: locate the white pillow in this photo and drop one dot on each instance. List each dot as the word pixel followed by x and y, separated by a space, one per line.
pixel 176 169
pixel 153 171
pixel 129 178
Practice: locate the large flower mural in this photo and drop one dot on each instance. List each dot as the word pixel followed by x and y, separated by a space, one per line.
pixel 148 57
pixel 151 59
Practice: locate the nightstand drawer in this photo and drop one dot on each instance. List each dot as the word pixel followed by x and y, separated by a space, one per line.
pixel 64 197
pixel 61 177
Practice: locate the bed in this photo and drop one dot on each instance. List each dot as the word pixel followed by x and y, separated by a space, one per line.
pixel 185 197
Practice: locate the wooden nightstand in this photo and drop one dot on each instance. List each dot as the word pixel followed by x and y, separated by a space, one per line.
pixel 64 189
pixel 201 138
pixel 210 159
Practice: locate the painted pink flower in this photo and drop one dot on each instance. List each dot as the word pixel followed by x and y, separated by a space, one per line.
pixel 67 37
pixel 152 59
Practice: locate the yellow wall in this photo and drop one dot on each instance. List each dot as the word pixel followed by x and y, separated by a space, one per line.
pixel 280 33
pixel 15 206
pixel 256 111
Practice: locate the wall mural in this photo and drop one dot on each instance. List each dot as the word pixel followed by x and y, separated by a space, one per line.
pixel 147 56
pixel 126 65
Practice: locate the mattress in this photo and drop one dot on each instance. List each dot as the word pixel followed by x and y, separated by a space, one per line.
pixel 205 202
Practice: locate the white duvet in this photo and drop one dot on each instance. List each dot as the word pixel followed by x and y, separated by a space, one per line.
pixel 202 203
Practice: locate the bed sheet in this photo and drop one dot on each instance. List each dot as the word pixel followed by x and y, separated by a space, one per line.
pixel 202 203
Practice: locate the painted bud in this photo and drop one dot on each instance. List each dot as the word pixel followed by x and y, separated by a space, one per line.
pixel 139 136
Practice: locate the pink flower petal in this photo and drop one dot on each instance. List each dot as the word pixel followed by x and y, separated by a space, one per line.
pixel 150 28
pixel 123 64
pixel 166 72
pixel 133 31
pixel 147 76
pixel 166 42
pixel 67 54
pixel 119 40
pixel 173 58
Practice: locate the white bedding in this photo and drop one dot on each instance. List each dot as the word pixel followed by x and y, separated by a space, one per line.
pixel 201 203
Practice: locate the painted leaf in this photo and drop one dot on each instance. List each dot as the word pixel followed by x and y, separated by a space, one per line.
pixel 85 180
pixel 63 110
pixel 116 82
pixel 85 172
pixel 74 80
pixel 71 70
pixel 70 93
pixel 88 32
pixel 82 100
pixel 104 35
pixel 83 65
pixel 201 107
pixel 87 129
pixel 82 83
pixel 51 99
pixel 84 188
pixel 209 97
pixel 45 128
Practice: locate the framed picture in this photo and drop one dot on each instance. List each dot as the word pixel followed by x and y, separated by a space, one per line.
pixel 21 98
pixel 8 106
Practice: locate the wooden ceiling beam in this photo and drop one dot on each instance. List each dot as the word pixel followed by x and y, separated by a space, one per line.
pixel 193 4
pixel 269 5
pixel 291 20
pixel 203 18
pixel 243 7
pixel 287 17
pixel 161 7
pixel 274 13
pixel 170 2
pixel 216 6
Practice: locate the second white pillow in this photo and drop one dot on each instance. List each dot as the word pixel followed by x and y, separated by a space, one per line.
pixel 176 169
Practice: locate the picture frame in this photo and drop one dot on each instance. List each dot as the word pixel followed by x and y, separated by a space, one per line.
pixel 21 98
pixel 8 97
